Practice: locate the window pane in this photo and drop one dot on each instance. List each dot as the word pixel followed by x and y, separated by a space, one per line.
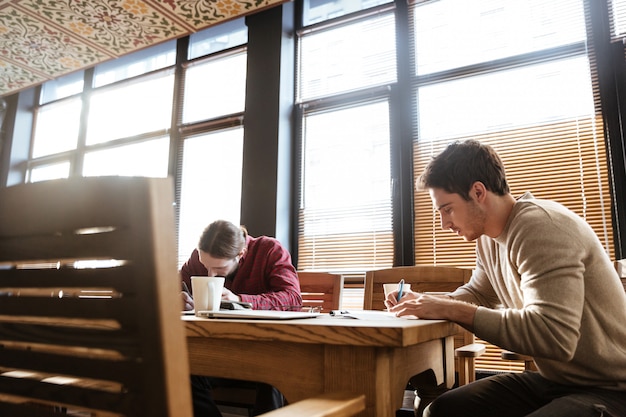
pixel 210 185
pixel 346 204
pixel 520 97
pixel 456 33
pixel 147 159
pixel 137 63
pixel 320 10
pixel 130 109
pixel 348 58
pixel 62 87
pixel 57 127
pixel 618 21
pixel 50 172
pixel 218 38
pixel 347 159
pixel 215 88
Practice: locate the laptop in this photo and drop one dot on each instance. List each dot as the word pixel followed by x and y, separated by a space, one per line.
pixel 257 314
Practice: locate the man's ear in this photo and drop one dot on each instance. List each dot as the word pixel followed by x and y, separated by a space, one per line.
pixel 478 191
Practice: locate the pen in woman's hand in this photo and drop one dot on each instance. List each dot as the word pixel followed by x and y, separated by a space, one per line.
pixel 186 288
pixel 400 289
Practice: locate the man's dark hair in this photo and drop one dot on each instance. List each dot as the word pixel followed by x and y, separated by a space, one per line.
pixel 460 165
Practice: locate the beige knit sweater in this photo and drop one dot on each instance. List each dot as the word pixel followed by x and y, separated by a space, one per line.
pixel 548 289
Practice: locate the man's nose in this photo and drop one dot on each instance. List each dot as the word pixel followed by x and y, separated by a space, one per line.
pixel 211 273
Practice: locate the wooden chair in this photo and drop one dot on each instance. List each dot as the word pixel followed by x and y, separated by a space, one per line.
pixel 428 279
pixel 90 312
pixel 321 289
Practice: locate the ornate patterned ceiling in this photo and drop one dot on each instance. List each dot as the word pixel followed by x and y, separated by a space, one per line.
pixel 44 39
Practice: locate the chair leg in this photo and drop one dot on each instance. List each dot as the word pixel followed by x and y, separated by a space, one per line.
pixel 463 370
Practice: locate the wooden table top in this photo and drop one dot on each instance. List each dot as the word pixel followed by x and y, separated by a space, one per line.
pixel 324 329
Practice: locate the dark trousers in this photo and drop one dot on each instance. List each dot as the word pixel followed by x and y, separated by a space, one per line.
pixel 267 397
pixel 526 394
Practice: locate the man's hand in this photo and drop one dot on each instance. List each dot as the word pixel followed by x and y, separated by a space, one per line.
pixel 392 298
pixel 187 301
pixel 439 307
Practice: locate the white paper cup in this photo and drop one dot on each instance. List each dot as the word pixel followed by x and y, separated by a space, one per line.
pixel 393 286
pixel 207 293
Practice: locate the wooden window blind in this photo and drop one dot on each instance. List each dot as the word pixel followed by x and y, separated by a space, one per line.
pixel 562 161
pixel 345 212
pixel 345 202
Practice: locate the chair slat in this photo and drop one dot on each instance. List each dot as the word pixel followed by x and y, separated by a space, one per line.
pixel 93 399
pixel 97 365
pixel 116 278
pixel 100 308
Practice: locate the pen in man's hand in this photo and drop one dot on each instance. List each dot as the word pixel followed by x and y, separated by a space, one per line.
pixel 400 289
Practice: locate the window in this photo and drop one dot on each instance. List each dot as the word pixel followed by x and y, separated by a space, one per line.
pixel 211 184
pixel 138 63
pixel 345 220
pixel 131 109
pixel 316 11
pixel 57 127
pixel 147 158
pixel 215 87
pixel 127 118
pixel 211 154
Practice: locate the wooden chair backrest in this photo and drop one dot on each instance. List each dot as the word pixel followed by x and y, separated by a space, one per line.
pixel 321 289
pixel 421 278
pixel 98 338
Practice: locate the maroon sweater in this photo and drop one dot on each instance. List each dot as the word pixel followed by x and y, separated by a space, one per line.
pixel 265 276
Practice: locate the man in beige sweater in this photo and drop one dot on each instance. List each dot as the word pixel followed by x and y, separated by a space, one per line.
pixel 543 286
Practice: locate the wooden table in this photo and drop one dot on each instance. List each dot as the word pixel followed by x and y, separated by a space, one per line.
pixel 306 357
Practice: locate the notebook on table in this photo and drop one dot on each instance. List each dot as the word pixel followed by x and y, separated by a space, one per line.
pixel 257 314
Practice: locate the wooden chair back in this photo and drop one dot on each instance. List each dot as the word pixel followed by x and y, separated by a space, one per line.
pixel 421 278
pixel 428 279
pixel 90 300
pixel 321 289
